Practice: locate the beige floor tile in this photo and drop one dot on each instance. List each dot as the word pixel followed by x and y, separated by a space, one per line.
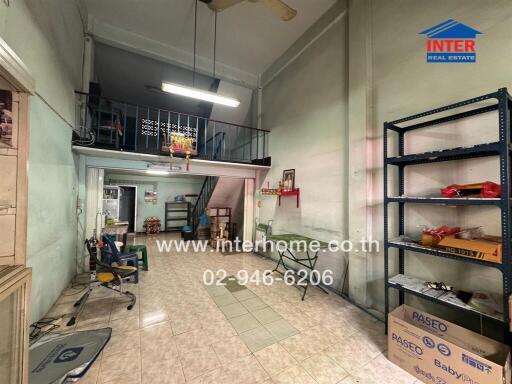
pixel 356 380
pixel 197 362
pixel 219 330
pixel 274 359
pixel 298 346
pixel 266 315
pixel 281 329
pixel 217 376
pixel 157 341
pixel 153 317
pixel 195 339
pixel 151 305
pixel 209 316
pixel 113 367
pixel 244 323
pixel 184 322
pixel 293 375
pixel 381 370
pixel 245 370
pixel 302 322
pixel 324 369
pixel 155 333
pixel 163 373
pixel 164 354
pixel 123 342
pixel 230 349
pixel 132 379
pixel 351 355
pixel 121 310
pixel 124 325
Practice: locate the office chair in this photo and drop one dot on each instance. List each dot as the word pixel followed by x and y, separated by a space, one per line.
pixel 107 276
pixel 110 254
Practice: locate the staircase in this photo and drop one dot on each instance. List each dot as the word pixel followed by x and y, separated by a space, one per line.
pixel 217 142
pixel 202 201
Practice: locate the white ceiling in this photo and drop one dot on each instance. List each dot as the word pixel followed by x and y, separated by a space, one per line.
pixel 249 37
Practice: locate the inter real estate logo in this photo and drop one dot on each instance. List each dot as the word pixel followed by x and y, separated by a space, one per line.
pixel 451 42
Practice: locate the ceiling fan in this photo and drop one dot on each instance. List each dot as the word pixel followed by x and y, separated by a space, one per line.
pixel 277 7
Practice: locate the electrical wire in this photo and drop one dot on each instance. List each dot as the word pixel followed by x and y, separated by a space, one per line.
pixel 215 43
pixel 195 45
pixel 86 141
pixel 42 327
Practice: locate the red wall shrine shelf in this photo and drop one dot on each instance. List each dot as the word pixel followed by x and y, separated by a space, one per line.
pixel 294 192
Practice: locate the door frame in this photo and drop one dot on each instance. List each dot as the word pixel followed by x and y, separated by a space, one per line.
pixel 136 194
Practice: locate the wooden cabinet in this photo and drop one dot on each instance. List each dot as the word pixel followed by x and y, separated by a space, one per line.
pixel 16 84
pixel 13 176
pixel 14 303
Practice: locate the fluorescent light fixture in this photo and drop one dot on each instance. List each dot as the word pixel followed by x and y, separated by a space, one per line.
pixel 199 94
pixel 156 172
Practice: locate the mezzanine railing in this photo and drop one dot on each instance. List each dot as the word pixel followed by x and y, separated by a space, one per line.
pixel 110 124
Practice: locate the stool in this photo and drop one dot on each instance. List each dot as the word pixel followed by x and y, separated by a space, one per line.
pixel 143 250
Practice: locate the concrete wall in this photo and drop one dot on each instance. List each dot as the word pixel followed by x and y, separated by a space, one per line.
pixel 402 84
pixel 305 107
pixel 337 151
pixel 167 187
pixel 30 28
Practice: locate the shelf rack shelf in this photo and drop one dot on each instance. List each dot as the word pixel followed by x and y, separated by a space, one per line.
pixel 444 201
pixel 413 247
pixel 502 103
pixel 177 213
pixel 439 300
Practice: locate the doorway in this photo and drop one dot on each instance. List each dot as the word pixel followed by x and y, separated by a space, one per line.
pixel 128 205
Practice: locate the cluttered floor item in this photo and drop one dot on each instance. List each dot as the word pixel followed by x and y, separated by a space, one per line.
pixel 183 331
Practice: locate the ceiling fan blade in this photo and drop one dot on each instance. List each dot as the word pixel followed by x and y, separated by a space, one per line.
pixel 280 9
pixel 220 5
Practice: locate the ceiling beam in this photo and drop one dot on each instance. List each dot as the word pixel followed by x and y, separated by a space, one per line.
pixel 133 42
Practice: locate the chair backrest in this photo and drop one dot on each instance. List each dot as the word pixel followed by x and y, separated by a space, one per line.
pixel 93 253
pixel 266 229
pixel 262 228
pixel 110 249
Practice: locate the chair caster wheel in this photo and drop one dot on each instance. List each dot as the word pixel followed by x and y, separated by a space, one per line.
pixel 129 307
pixel 71 322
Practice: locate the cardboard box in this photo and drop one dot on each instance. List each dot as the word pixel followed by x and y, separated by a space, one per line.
pixel 437 351
pixel 488 249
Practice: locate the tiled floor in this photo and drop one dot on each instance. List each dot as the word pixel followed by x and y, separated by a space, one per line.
pixel 181 331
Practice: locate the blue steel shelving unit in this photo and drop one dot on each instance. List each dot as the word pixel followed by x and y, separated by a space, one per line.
pixel 501 148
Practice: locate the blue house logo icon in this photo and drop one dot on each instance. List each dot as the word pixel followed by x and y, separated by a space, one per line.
pixel 68 355
pixel 451 42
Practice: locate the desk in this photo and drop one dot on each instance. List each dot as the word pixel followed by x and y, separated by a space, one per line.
pixel 120 229
pixel 308 262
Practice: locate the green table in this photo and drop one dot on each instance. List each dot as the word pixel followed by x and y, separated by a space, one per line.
pixel 292 240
